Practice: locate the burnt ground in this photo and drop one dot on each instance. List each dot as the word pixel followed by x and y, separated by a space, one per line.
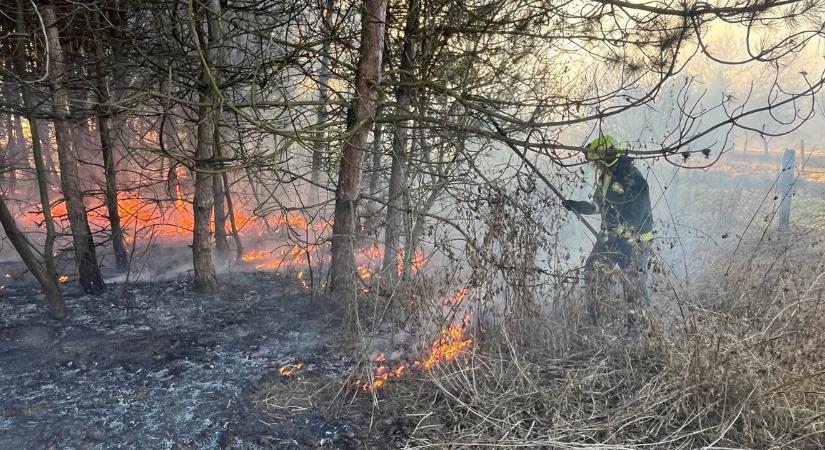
pixel 157 366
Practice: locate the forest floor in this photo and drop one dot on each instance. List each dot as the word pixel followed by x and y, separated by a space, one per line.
pixel 157 366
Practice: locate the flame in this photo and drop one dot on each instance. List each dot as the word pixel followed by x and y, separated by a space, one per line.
pixel 458 297
pixel 294 256
pixel 302 280
pixel 373 252
pixel 144 213
pixel 255 255
pixel 364 271
pixel 451 343
pixel 417 263
pixel 186 220
pixel 372 258
pixel 448 346
pixel 383 373
pixel 294 220
pixel 62 278
pixel 291 369
pixel 138 214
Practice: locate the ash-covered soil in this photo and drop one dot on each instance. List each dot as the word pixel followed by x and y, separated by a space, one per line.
pixel 157 366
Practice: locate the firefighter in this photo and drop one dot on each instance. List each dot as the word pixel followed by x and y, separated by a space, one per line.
pixel 623 201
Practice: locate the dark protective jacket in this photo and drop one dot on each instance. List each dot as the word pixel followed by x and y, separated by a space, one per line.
pixel 622 199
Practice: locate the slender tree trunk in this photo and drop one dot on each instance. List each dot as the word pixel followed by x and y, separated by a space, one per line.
pixel 377 153
pixel 374 169
pixel 367 79
pixel 5 166
pixel 46 146
pixel 104 125
pixel 230 209
pixel 215 42
pixel 88 271
pixel 375 173
pixel 48 284
pixel 15 151
pixel 43 270
pixel 42 172
pixel 321 113
pixel 205 278
pixel 398 171
pixel 221 245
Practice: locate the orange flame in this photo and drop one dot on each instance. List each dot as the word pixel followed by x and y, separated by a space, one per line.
pixel 255 255
pixel 62 278
pixel 186 220
pixel 291 369
pixel 458 297
pixel 365 271
pixel 294 256
pixel 373 252
pixel 164 218
pixel 449 346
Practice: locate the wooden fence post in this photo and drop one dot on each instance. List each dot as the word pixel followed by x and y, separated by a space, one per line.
pixel 787 179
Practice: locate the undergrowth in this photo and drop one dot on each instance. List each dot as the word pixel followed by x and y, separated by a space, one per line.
pixel 736 361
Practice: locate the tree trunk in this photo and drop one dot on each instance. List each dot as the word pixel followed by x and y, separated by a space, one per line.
pixel 46 146
pixel 398 171
pixel 367 79
pixel 5 167
pixel 230 209
pixel 221 245
pixel 104 125
pixel 45 271
pixel 321 113
pixel 15 151
pixel 42 173
pixel 205 278
pixel 377 153
pixel 374 174
pixel 215 42
pixel 88 271
pixel 57 309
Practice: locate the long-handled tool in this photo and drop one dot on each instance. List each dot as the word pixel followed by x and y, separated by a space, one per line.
pixel 535 170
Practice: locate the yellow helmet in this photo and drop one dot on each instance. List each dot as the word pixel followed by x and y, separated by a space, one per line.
pixel 605 150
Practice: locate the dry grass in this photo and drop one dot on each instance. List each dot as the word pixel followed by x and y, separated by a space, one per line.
pixel 740 363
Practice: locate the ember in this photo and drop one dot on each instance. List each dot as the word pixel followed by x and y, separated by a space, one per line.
pixel 290 370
